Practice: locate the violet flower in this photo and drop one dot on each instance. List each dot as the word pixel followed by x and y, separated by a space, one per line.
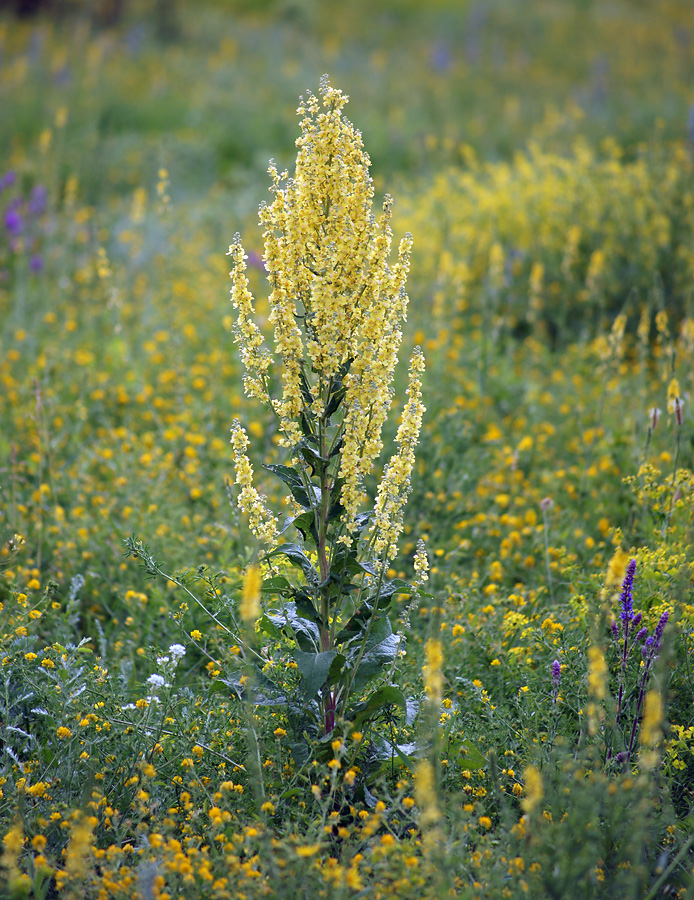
pixel 660 628
pixel 626 599
pixel 556 674
pixel 38 199
pixel 13 221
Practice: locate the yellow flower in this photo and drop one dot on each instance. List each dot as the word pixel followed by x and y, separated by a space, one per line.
pixel 534 790
pixel 652 719
pixel 597 673
pixel 425 794
pixel 433 677
pixel 392 492
pixel 262 523
pixel 309 850
pixel 249 608
pixel 64 733
pixel 617 567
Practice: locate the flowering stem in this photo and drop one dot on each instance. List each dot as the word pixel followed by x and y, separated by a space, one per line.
pixel 639 705
pixel 666 523
pixel 623 669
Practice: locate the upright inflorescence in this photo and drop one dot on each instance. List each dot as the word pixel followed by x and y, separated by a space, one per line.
pixel 395 484
pixel 336 307
pixel 263 524
pixel 626 598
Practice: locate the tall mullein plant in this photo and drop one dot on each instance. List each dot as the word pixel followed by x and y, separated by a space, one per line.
pixel 337 305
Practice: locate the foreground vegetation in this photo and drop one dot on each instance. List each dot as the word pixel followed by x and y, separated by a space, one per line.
pixel 519 724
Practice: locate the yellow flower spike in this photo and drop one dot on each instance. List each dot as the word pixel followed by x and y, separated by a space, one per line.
pixel 394 487
pixel 534 790
pixel 249 608
pixel 425 794
pixel 433 677
pixel 255 359
pixel 262 523
pixel 597 673
pixel 616 568
pixel 652 719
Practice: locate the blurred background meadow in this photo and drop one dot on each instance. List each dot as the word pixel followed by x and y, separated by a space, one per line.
pixel 542 155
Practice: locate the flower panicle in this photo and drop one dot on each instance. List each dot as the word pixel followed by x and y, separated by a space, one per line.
pixel 262 523
pixel 255 358
pixel 394 488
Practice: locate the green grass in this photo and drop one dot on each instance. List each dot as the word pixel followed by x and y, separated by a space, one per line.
pixel 539 154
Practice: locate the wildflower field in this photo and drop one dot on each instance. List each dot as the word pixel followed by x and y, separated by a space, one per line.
pixel 347 549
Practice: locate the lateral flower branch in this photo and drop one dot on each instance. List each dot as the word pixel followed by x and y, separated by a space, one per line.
pixel 337 305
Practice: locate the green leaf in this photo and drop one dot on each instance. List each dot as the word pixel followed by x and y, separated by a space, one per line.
pixel 305 607
pixel 470 756
pixel 292 479
pixel 269 627
pixel 305 632
pixel 305 522
pixel 306 391
pixel 381 648
pixel 221 686
pixel 292 792
pixel 298 558
pixel 314 668
pixel 335 671
pixel 390 588
pixel 301 753
pixel 317 462
pixel 385 696
pixel 277 584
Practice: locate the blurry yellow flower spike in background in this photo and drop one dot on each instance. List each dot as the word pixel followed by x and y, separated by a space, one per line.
pixel 250 598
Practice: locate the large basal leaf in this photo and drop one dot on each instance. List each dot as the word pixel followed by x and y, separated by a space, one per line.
pixel 380 650
pixel 314 668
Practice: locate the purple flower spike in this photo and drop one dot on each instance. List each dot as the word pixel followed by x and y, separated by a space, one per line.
pixel 660 628
pixel 615 629
pixel 626 600
pixel 13 221
pixel 37 200
pixel 642 635
pixel 36 263
pixel 7 180
pixel 556 674
pixel 637 620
